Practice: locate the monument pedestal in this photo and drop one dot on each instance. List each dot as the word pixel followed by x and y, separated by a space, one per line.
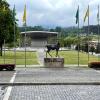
pixel 54 62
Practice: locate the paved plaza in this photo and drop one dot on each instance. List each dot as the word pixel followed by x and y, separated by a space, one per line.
pixel 50 84
pixel 55 92
pixel 51 75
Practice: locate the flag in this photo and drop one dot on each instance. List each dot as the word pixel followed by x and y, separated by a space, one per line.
pixel 24 15
pixel 86 14
pixel 98 14
pixel 77 15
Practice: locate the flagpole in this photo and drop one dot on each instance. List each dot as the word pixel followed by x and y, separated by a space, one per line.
pixel 78 36
pixel 24 24
pixel 24 19
pixel 4 39
pixel 88 34
pixel 77 22
pixel 14 37
pixel 4 51
pixel 98 30
pixel 25 44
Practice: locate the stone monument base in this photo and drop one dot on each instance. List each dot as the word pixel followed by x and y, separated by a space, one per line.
pixel 54 62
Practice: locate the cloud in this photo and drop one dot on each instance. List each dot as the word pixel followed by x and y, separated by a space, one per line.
pixel 54 12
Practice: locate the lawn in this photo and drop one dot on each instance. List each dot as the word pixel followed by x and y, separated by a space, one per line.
pixel 71 57
pixel 20 58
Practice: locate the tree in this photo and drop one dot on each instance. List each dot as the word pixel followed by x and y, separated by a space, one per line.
pixel 38 28
pixel 85 49
pixel 68 41
pixel 98 48
pixel 58 29
pixel 6 24
pixel 92 49
pixel 52 30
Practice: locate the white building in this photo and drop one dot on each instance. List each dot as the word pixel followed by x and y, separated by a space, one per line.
pixel 37 38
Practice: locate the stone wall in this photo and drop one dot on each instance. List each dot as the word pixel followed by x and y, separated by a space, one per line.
pixel 54 62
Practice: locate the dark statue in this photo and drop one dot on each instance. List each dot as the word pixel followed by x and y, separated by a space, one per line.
pixel 53 47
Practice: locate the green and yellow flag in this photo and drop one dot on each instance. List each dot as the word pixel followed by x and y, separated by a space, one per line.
pixel 77 15
pixel 98 14
pixel 86 14
pixel 24 15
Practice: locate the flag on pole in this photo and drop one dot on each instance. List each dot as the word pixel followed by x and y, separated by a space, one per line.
pixel 24 15
pixel 98 14
pixel 14 34
pixel 77 15
pixel 86 14
pixel 77 21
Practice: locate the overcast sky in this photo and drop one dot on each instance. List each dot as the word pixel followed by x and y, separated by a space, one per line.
pixel 53 13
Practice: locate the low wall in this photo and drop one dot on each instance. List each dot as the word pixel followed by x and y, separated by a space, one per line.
pixel 54 62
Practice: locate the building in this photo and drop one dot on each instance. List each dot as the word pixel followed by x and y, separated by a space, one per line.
pixel 37 38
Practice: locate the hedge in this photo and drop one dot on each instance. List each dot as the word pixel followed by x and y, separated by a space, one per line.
pixel 94 64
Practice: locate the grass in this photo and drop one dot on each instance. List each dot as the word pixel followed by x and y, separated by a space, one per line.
pixel 71 57
pixel 20 58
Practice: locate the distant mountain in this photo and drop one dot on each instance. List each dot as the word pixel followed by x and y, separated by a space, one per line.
pixel 63 30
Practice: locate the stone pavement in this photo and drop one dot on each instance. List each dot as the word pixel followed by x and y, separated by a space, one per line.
pixel 51 75
pixel 30 91
pixel 5 76
pixel 56 75
pixel 2 91
pixel 55 92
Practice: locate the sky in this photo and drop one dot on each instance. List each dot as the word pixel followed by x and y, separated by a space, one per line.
pixel 52 13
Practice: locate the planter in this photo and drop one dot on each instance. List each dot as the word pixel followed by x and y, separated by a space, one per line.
pixel 94 64
pixel 54 62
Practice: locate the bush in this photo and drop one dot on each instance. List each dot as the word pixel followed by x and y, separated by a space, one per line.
pixel 85 47
pixel 92 49
pixel 80 47
pixel 94 64
pixel 76 48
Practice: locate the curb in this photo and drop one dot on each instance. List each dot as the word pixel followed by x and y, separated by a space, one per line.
pixel 42 66
pixel 72 83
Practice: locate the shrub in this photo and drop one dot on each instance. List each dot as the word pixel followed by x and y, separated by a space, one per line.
pixel 94 64
pixel 80 47
pixel 85 47
pixel 92 49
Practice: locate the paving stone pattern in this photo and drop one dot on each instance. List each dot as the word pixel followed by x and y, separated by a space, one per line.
pixel 2 91
pixel 52 92
pixel 56 75
pixel 5 76
pixel 57 92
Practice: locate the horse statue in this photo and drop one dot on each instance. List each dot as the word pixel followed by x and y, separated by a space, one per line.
pixel 52 47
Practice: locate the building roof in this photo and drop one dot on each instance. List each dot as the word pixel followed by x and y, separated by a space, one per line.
pixel 39 34
pixel 32 32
